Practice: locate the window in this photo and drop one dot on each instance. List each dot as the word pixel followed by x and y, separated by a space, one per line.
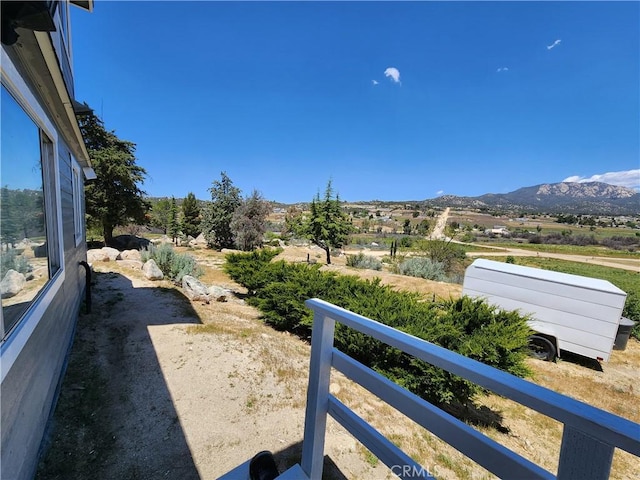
pixel 30 254
pixel 78 214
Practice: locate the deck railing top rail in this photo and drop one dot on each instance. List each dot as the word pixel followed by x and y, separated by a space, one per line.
pixel 589 438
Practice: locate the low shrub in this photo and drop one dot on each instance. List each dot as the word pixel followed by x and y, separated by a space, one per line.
pixel 12 261
pixel 632 312
pixel 172 264
pixel 470 327
pixel 364 261
pixel 422 267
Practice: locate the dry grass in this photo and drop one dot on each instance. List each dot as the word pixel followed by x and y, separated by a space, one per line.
pixel 282 360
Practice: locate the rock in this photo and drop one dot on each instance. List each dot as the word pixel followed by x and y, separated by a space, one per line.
pixel 219 294
pixel 152 271
pixel 12 283
pixel 199 240
pixel 131 255
pixel 104 254
pixel 163 239
pixel 97 255
pixel 112 253
pixel 194 289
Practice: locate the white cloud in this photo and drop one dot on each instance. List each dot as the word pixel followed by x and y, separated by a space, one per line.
pixel 626 178
pixel 554 44
pixel 503 69
pixel 439 192
pixel 375 82
pixel 393 73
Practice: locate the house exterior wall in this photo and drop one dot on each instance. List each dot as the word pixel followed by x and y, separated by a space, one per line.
pixel 33 355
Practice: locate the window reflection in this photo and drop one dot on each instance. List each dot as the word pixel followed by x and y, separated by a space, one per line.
pixel 24 257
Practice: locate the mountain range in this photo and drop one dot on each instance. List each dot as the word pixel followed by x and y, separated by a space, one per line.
pixel 591 198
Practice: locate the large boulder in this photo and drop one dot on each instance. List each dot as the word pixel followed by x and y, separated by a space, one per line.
pixel 104 254
pixel 131 255
pixel 152 271
pixel 112 254
pixel 198 241
pixel 96 255
pixel 194 289
pixel 12 283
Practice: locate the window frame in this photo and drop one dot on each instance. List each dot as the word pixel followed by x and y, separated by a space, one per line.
pixel 17 338
pixel 77 187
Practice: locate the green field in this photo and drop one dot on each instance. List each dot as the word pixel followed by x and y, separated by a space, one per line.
pixel 590 251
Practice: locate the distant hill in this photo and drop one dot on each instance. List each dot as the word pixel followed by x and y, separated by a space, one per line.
pixel 594 198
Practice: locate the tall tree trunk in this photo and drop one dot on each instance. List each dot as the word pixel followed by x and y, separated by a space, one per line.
pixel 107 232
pixel 328 250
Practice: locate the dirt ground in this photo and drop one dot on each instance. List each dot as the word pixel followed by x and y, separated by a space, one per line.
pixel 161 387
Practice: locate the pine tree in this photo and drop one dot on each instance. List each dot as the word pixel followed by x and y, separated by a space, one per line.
pixel 174 225
pixel 190 216
pixel 217 216
pixel 327 226
pixel 249 222
pixel 161 214
pixel 114 198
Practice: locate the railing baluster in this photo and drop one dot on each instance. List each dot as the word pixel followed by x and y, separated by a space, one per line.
pixel 315 421
pixel 582 456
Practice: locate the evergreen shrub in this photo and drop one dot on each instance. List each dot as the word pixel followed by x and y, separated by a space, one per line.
pixel 468 326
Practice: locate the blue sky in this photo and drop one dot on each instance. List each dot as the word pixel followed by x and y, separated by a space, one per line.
pixel 390 100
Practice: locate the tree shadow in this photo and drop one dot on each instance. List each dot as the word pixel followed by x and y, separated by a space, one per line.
pixel 115 416
pixel 478 415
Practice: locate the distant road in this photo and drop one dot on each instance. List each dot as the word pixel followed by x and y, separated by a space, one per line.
pixel 441 223
pixel 622 263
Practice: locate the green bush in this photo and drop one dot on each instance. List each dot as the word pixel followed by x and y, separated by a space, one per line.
pixel 172 264
pixel 470 327
pixel 364 261
pixel 248 268
pixel 406 242
pixel 423 267
pixel 632 312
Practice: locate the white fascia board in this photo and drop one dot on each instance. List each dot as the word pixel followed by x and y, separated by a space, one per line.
pixel 51 59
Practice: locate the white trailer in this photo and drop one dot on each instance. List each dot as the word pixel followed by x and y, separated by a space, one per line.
pixel 568 312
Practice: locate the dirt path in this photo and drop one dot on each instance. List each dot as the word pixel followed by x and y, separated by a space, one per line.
pixel 441 224
pixel 182 390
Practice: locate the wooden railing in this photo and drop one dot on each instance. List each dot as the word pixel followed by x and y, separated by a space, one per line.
pixel 588 442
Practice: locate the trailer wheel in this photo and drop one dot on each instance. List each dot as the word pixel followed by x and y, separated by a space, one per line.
pixel 541 348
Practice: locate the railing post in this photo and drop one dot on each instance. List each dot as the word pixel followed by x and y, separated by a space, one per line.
pixel 582 456
pixel 315 422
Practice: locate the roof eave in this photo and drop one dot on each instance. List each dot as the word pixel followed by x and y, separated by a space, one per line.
pixel 84 4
